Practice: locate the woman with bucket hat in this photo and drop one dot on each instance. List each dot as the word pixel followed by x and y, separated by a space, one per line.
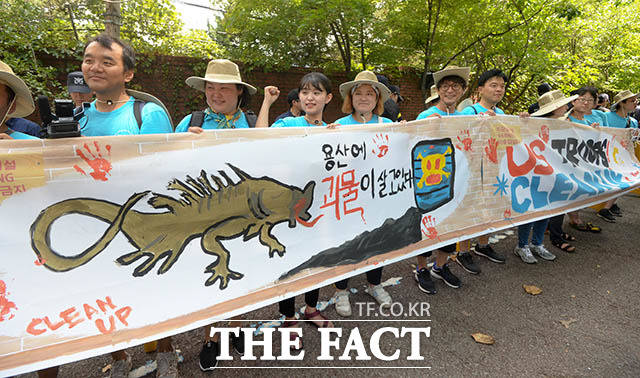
pixel 363 100
pixel 15 102
pixel 623 103
pixel 226 94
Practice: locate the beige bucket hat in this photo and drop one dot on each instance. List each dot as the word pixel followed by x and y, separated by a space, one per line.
pixel 146 97
pixel 23 101
pixel 551 101
pixel 365 77
pixel 434 95
pixel 461 72
pixel 219 71
pixel 621 96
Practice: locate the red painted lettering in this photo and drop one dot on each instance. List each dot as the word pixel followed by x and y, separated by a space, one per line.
pixel 540 169
pixel 101 328
pixel 89 311
pixel 31 328
pixel 102 305
pixel 52 327
pixel 516 170
pixel 68 316
pixel 123 314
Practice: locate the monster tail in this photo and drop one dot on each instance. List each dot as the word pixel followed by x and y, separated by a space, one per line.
pixel 103 210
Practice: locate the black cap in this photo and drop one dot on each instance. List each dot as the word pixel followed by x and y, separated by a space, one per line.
pixel 543 88
pixel 75 83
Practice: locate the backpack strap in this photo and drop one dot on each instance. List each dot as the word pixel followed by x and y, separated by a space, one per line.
pixel 251 117
pixel 475 111
pixel 137 111
pixel 197 119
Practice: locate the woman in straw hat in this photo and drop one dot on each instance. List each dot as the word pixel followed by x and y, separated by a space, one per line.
pixel 552 104
pixel 15 102
pixel 226 94
pixel 364 99
pixel 623 103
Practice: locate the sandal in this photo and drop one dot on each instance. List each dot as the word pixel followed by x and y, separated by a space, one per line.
pixel 567 237
pixel 593 228
pixel 293 337
pixel 310 316
pixel 586 227
pixel 564 246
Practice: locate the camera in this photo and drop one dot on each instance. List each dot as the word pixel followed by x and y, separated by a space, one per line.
pixel 61 124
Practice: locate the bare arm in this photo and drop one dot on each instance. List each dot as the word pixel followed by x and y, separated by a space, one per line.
pixel 271 94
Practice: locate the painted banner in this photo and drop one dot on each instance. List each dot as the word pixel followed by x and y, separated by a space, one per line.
pixel 110 242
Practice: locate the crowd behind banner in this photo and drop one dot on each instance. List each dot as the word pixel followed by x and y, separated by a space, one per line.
pixel 103 106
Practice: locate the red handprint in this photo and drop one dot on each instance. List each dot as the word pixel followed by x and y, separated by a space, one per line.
pixel 6 306
pixel 492 150
pixel 465 141
pixel 624 144
pixel 544 133
pixel 382 143
pixel 507 214
pixel 429 227
pixel 101 166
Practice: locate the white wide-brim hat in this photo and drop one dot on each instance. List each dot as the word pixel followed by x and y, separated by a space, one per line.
pixel 146 97
pixel 221 71
pixel 461 72
pixel 365 77
pixel 434 95
pixel 551 101
pixel 23 100
pixel 621 96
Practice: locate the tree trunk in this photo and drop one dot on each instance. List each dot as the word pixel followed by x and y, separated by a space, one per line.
pixel 112 19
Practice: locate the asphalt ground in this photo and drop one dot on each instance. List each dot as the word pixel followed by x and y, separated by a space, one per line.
pixel 584 323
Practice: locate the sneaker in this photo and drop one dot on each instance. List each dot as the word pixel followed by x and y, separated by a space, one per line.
pixel 525 254
pixel 121 368
pixel 209 356
pixel 488 252
pixel 237 342
pixel 607 215
pixel 424 281
pixel 343 307
pixel 445 274
pixel 541 251
pixel 615 210
pixel 167 364
pixel 379 294
pixel 465 260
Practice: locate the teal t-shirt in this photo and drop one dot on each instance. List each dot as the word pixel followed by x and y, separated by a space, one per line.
pixel 590 119
pixel 349 120
pixel 19 135
pixel 614 120
pixel 216 121
pixel 469 110
pixel 122 121
pixel 294 122
pixel 434 109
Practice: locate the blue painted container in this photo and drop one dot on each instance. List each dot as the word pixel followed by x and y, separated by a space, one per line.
pixel 434 166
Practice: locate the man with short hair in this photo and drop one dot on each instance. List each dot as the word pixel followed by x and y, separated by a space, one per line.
pixel 491 88
pixel 391 108
pixel 450 85
pixel 107 67
pixel 583 110
pixel 78 90
pixel 294 105
pixel 15 102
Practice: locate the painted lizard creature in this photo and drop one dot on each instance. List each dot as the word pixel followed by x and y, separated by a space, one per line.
pixel 248 208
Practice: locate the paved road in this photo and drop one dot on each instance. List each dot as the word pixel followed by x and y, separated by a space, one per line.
pixel 585 322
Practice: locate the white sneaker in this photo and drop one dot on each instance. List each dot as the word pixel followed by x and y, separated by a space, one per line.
pixel 379 294
pixel 541 251
pixel 525 254
pixel 343 307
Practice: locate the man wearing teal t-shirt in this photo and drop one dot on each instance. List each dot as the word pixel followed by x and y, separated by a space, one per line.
pixel 15 102
pixel 107 66
pixel 583 108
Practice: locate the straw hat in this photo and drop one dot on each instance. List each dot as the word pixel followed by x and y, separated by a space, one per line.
pixel 461 72
pixel 621 96
pixel 221 71
pixel 23 101
pixel 434 95
pixel 365 77
pixel 551 101
pixel 146 97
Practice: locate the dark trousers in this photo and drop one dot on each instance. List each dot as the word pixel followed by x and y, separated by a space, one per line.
pixel 555 228
pixel 288 306
pixel 373 277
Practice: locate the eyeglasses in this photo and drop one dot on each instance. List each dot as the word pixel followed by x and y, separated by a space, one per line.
pixel 454 86
pixel 586 100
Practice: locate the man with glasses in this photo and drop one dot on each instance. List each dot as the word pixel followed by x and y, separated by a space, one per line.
pixel 450 85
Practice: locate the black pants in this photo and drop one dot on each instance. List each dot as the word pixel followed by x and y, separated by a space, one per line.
pixel 373 277
pixel 555 228
pixel 288 306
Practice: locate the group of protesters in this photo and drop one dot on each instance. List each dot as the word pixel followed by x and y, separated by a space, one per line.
pixel 108 65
